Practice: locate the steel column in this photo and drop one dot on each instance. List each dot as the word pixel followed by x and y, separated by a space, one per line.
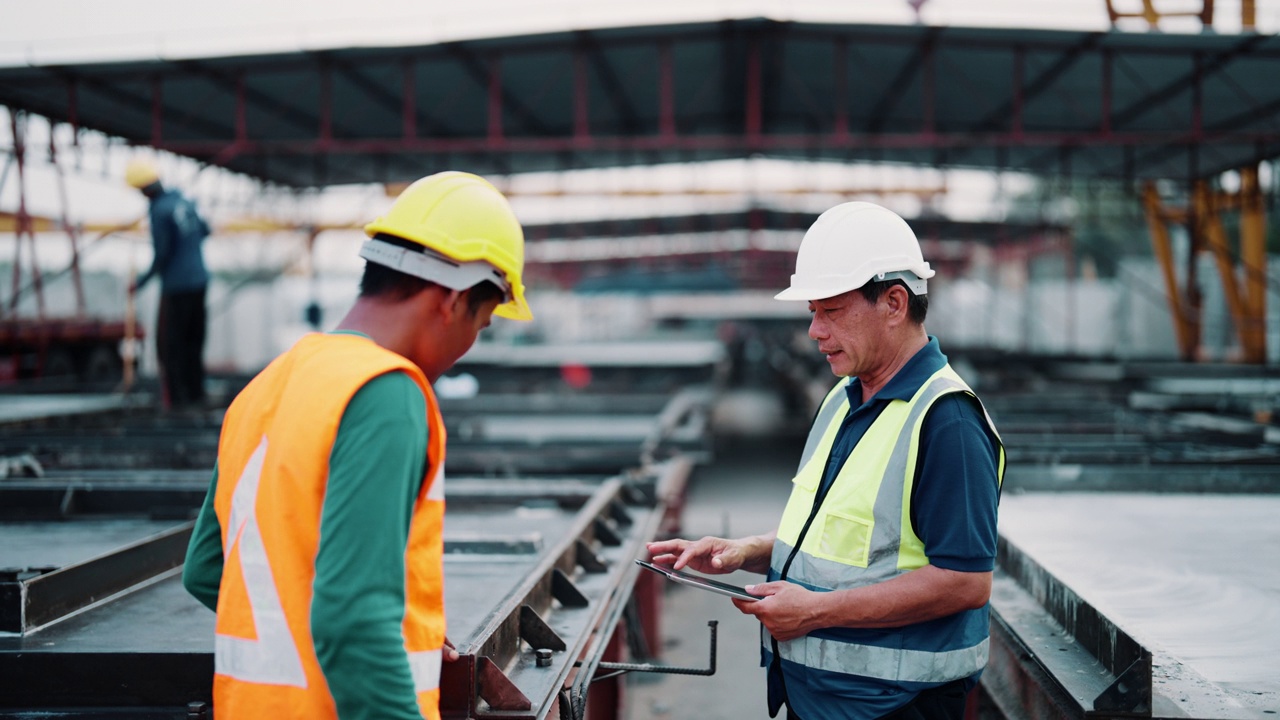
pixel 753 121
pixel 1105 125
pixel 1185 329
pixel 1019 64
pixel 666 94
pixel 1253 256
pixel 157 111
pixel 929 90
pixel 1209 223
pixel 495 100
pixel 409 97
pixel 326 105
pixel 65 220
pixel 581 107
pixel 840 94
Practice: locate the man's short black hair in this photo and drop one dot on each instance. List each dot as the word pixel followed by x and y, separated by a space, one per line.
pixel 380 281
pixel 917 305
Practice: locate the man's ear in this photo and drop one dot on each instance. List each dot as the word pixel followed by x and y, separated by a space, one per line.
pixel 453 303
pixel 896 301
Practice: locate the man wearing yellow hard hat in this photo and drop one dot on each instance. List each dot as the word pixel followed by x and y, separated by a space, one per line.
pixel 177 232
pixel 319 543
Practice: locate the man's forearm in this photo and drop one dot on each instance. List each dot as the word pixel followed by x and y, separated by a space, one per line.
pixel 919 596
pixel 757 550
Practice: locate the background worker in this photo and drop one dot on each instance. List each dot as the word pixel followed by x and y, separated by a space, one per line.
pixel 319 544
pixel 879 574
pixel 177 232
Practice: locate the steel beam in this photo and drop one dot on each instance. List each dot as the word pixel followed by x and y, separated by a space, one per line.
pixel 889 100
pixel 27 603
pixel 1054 655
pixel 1186 328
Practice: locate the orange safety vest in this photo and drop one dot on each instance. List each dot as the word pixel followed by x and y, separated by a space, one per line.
pixel 273 460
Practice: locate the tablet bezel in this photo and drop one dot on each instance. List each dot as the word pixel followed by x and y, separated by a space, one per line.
pixel 699 581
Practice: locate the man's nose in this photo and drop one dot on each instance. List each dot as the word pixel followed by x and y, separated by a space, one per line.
pixel 817 329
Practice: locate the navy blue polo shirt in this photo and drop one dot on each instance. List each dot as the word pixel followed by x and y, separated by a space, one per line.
pixel 953 512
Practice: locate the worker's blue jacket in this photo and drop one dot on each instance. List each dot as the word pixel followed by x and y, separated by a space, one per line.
pixel 177 232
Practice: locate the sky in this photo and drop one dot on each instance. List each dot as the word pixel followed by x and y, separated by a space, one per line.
pixel 81 30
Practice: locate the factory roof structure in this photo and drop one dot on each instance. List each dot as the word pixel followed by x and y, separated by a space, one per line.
pixel 1088 104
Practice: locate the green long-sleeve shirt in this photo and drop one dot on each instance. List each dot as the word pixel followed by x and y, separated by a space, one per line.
pixel 375 473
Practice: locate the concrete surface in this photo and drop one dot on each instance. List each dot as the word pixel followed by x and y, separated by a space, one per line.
pixel 1194 578
pixel 741 493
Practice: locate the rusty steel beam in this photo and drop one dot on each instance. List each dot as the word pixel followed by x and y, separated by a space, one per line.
pixel 1185 328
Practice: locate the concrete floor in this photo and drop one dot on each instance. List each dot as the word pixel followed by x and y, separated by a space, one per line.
pixel 741 493
pixel 1194 578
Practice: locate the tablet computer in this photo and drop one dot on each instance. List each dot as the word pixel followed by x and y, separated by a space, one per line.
pixel 699 581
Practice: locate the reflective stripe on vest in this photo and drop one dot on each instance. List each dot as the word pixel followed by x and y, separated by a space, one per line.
pixel 882 663
pixel 426 669
pixel 273 657
pixel 862 533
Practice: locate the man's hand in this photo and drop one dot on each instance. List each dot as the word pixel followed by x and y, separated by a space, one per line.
pixel 449 653
pixel 786 610
pixel 710 555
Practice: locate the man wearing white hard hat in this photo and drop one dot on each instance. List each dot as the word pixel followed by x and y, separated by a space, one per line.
pixel 879 573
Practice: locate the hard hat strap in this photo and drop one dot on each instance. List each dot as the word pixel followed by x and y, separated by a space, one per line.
pixel 916 284
pixel 434 267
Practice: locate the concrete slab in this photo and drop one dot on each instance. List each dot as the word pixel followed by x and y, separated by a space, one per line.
pixel 1195 578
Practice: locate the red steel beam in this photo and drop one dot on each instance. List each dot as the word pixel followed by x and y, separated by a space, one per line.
pixel 1019 67
pixel 929 88
pixel 753 122
pixel 409 96
pixel 1105 125
pixel 794 141
pixel 495 103
pixel 242 112
pixel 841 90
pixel 666 93
pixel 157 111
pixel 581 107
pixel 326 105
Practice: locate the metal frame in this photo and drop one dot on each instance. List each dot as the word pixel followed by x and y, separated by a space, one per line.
pixel 1054 655
pixel 1202 217
pixel 607 114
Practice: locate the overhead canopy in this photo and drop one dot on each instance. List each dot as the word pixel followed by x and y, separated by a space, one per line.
pixel 1053 102
pixel 926 227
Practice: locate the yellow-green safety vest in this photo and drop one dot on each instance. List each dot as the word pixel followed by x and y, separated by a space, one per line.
pixel 862 535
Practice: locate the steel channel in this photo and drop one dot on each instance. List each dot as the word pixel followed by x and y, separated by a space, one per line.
pixel 674 474
pixel 54 595
pixel 1042 657
pixel 499 636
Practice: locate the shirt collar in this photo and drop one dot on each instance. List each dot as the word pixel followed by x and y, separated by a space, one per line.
pixel 903 385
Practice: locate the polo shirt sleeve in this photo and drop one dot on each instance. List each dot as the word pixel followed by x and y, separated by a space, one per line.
pixel 375 472
pixel 957 490
pixel 202 570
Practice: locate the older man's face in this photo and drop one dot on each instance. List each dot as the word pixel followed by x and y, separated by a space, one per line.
pixel 848 330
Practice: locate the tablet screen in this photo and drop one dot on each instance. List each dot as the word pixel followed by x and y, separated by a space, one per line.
pixel 699 581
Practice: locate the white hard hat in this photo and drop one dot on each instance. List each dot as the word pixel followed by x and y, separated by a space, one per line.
pixel 852 244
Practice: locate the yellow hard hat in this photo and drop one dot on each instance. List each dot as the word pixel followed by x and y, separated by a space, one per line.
pixel 141 173
pixel 465 218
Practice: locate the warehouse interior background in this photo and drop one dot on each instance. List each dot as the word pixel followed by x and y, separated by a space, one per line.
pixel 1096 181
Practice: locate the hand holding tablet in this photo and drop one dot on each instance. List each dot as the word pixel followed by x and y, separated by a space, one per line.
pixel 699 581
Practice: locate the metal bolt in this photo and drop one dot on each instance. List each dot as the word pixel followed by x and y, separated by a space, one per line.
pixel 197 711
pixel 543 657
